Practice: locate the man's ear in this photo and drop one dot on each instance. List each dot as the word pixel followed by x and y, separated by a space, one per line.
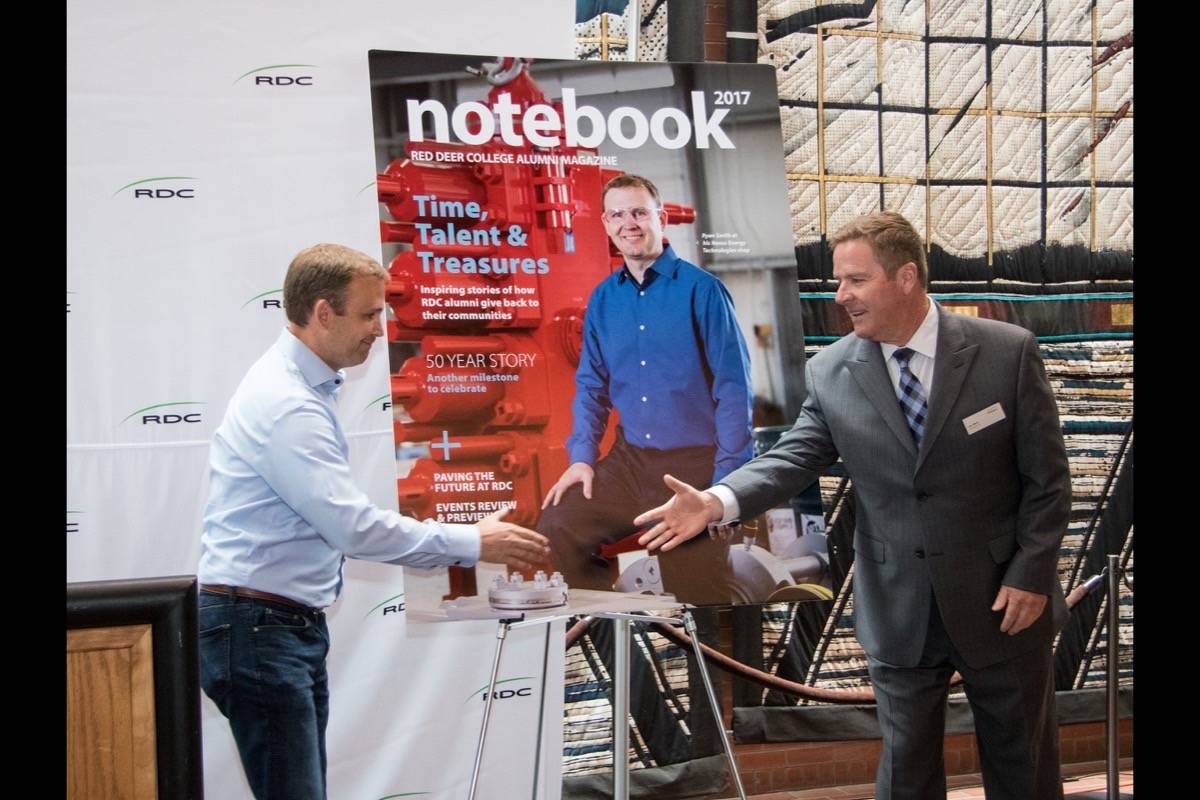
pixel 322 312
pixel 908 276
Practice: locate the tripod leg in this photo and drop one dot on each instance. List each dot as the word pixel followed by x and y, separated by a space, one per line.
pixel 501 632
pixel 689 625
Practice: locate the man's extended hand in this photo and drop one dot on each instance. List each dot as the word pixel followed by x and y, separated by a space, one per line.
pixel 506 543
pixel 1021 608
pixel 680 518
pixel 579 472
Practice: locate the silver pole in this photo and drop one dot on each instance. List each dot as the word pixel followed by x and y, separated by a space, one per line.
pixel 633 25
pixel 1114 676
pixel 620 709
pixel 537 750
pixel 501 632
pixel 689 624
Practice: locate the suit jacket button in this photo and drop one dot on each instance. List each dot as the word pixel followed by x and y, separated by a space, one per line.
pixel 919 552
pixel 923 495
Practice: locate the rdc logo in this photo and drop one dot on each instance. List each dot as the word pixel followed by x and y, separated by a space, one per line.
pixel 278 75
pixel 167 414
pixel 503 692
pixel 167 187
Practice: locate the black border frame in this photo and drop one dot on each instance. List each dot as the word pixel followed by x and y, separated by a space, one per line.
pixel 168 605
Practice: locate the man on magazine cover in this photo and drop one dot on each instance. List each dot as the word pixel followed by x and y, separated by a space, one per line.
pixel 662 346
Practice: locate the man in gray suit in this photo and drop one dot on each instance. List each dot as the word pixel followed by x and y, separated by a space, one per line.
pixel 948 428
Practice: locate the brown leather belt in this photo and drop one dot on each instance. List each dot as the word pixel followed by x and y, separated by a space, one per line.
pixel 243 591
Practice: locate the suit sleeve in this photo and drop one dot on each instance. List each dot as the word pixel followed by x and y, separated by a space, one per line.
pixel 1045 505
pixel 792 464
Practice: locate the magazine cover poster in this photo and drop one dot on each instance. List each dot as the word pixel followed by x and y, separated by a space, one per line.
pixel 531 333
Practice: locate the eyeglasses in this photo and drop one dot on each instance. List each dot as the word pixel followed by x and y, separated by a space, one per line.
pixel 621 214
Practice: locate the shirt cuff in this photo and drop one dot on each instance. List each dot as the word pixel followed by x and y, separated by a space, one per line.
pixel 585 453
pixel 462 543
pixel 729 502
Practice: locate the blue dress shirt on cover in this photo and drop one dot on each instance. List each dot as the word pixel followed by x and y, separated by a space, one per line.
pixel 283 510
pixel 669 356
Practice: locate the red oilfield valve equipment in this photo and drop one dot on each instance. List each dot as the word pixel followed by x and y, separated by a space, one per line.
pixel 504 244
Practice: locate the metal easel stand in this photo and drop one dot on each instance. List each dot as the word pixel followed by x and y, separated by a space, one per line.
pixel 1111 577
pixel 1113 680
pixel 505 625
pixel 621 681
pixel 621 646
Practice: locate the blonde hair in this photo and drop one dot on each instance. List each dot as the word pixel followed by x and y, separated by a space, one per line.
pixel 893 239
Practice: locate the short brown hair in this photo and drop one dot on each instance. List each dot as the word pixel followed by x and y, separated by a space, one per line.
pixel 630 180
pixel 324 271
pixel 893 239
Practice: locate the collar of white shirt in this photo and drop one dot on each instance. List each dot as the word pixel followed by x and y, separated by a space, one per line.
pixel 923 341
pixel 314 370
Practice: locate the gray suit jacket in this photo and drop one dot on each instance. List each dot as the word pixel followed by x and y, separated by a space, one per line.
pixel 959 517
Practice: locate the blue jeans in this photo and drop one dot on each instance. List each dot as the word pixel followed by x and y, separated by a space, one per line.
pixel 263 664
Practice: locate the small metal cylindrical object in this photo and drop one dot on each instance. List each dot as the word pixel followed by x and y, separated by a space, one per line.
pixel 515 594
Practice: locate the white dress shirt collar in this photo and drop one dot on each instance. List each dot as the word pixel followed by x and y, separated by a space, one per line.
pixel 923 340
pixel 314 370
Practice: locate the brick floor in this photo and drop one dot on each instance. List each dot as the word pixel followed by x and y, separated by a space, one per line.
pixel 1077 779
pixel 770 769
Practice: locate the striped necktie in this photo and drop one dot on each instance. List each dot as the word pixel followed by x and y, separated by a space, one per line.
pixel 911 395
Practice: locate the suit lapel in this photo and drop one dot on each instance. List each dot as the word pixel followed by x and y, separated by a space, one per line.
pixel 866 365
pixel 955 352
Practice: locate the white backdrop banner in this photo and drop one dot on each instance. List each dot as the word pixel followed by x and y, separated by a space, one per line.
pixel 208 143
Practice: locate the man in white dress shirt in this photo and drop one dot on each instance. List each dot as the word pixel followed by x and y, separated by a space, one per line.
pixel 284 513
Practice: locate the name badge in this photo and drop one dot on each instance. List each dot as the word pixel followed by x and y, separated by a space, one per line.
pixel 981 419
